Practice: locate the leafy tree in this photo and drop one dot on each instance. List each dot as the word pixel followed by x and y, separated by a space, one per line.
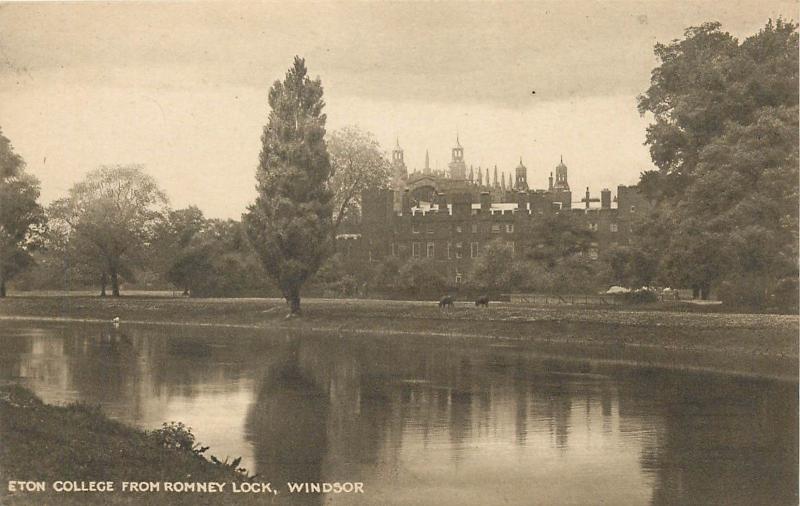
pixel 549 261
pixel 555 237
pixel 21 217
pixel 62 261
pixel 746 189
pixel 576 274
pixel 725 143
pixel 67 259
pixel 110 219
pixel 498 269
pixel 332 270
pixel 172 237
pixel 339 275
pixel 688 99
pixel 495 269
pixel 744 204
pixel 628 266
pixel 218 261
pixel 211 271
pixel 357 164
pixel 386 274
pixel 11 164
pixel 190 267
pixel 421 276
pixel 290 223
pixel 182 225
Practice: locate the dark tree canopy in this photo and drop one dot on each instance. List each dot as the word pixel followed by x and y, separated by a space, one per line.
pixel 21 217
pixel 555 237
pixel 724 139
pixel 10 162
pixel 290 223
pixel 421 275
pixel 707 80
pixel 217 261
pixel 171 239
pixel 496 269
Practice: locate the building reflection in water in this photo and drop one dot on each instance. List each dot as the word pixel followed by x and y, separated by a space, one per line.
pixel 430 422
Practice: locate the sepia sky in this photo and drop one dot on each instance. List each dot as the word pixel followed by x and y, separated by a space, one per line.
pixel 182 87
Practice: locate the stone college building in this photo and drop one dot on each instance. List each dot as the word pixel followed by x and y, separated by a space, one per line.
pixel 450 216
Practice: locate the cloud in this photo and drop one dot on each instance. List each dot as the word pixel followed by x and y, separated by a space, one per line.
pixel 182 87
pixel 459 52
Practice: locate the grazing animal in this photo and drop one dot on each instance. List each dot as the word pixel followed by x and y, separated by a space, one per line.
pixel 483 300
pixel 446 301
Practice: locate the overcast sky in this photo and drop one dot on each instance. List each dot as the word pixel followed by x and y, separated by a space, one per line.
pixel 182 88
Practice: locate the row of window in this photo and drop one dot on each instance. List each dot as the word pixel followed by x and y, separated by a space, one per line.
pixel 496 228
pixel 499 227
pixel 458 250
pixel 430 250
pixel 594 227
pixel 474 251
pixel 592 252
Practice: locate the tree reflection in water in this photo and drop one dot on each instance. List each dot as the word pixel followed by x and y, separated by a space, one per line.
pixel 431 421
pixel 287 425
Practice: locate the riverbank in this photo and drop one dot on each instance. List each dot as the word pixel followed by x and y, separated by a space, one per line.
pixel 58 445
pixel 750 344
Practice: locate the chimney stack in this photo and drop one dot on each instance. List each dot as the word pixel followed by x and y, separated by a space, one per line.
pixel 406 203
pixel 486 202
pixel 441 201
pixel 522 202
pixel 605 198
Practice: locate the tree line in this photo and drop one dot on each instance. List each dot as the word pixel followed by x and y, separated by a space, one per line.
pixel 723 137
pixel 116 226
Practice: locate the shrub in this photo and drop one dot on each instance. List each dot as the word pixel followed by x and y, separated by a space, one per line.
pixel 177 436
pixel 420 276
pixel 743 291
pixel 756 292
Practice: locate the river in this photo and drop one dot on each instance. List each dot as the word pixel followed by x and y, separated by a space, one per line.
pixel 429 420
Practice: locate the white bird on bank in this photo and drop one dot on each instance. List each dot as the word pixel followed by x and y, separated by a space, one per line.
pixel 115 321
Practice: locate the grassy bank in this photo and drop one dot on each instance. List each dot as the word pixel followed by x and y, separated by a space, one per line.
pixel 45 443
pixel 741 343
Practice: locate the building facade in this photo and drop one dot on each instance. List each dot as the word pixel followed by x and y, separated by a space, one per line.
pixel 450 217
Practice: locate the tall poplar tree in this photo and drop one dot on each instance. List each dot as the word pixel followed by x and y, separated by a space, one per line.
pixel 289 225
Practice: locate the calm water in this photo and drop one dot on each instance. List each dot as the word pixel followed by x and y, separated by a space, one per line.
pixel 427 422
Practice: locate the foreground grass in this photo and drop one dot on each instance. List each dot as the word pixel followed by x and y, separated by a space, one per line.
pixel 754 344
pixel 51 443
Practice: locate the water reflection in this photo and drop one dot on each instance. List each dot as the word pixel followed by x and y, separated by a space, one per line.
pixel 286 423
pixel 423 422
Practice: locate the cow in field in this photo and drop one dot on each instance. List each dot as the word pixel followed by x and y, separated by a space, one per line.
pixel 483 300
pixel 446 301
